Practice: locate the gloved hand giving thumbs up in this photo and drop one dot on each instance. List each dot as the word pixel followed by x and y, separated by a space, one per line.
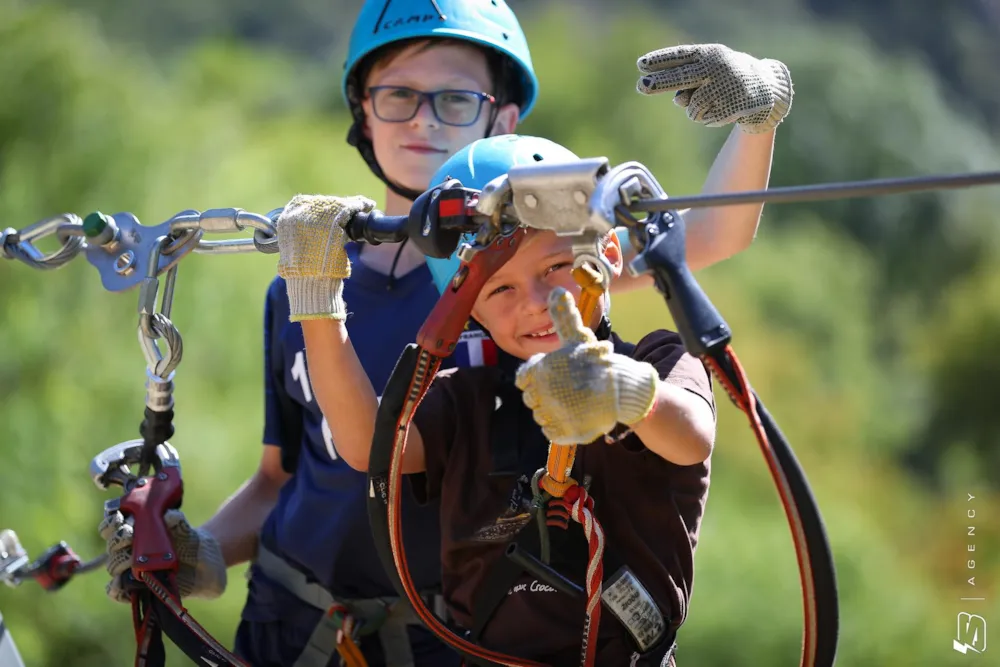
pixel 584 389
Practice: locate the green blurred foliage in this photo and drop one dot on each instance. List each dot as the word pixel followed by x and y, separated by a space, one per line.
pixel 867 327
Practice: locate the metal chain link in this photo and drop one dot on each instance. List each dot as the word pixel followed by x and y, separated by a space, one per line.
pixel 68 228
pixel 113 241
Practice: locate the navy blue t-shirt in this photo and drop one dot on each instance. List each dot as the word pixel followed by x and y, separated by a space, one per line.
pixel 320 522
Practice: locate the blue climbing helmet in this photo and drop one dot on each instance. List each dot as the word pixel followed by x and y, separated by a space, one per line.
pixel 479 163
pixel 487 23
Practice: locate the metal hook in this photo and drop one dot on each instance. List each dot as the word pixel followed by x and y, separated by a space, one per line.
pixel 154 325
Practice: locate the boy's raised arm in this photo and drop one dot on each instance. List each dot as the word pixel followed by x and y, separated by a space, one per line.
pixel 719 232
pixel 718 86
pixel 314 264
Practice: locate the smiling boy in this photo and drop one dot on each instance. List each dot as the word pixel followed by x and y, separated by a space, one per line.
pixel 579 382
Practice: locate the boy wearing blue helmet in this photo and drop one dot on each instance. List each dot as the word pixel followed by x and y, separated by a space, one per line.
pixel 423 78
pixel 578 381
pixel 401 51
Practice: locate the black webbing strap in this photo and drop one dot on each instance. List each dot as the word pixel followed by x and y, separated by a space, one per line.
pixel 153 617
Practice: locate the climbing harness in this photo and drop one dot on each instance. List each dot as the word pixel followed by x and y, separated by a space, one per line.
pixel 345 621
pixel 584 199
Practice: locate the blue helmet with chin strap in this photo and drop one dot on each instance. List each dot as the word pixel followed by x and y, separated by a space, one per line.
pixel 486 23
pixel 482 161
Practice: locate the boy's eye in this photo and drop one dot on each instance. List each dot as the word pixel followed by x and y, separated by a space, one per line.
pixel 558 267
pixel 498 290
pixel 401 94
pixel 456 99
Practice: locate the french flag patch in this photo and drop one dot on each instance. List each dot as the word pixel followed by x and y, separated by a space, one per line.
pixel 475 348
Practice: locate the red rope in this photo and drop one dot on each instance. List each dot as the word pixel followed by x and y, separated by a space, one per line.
pixel 580 506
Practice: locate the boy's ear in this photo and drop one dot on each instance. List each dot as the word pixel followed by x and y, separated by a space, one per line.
pixel 506 121
pixel 614 254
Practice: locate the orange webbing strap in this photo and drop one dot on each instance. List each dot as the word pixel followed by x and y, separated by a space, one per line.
pixel 347 649
pixel 556 480
pixel 349 653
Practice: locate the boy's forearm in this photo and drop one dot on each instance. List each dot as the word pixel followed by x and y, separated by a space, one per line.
pixel 237 524
pixel 342 388
pixel 681 427
pixel 717 233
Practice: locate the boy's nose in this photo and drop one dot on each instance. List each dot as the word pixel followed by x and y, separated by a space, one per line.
pixel 425 115
pixel 537 300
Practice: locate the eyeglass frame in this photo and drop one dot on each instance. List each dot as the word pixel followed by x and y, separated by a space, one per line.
pixel 429 98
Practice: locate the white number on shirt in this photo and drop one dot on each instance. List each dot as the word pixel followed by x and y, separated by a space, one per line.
pixel 300 373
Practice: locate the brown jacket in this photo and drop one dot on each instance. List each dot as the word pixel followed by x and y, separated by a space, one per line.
pixel 650 509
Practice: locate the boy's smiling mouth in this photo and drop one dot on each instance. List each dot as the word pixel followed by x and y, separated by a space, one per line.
pixel 542 333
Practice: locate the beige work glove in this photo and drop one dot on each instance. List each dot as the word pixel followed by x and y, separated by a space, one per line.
pixel 313 262
pixel 202 570
pixel 719 86
pixel 584 389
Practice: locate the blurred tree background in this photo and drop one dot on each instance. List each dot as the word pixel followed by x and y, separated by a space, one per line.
pixel 869 327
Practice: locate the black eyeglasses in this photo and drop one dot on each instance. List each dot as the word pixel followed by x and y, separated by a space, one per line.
pixel 398 104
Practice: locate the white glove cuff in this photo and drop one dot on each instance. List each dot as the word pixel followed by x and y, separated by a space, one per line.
pixel 210 576
pixel 316 298
pixel 636 391
pixel 781 87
